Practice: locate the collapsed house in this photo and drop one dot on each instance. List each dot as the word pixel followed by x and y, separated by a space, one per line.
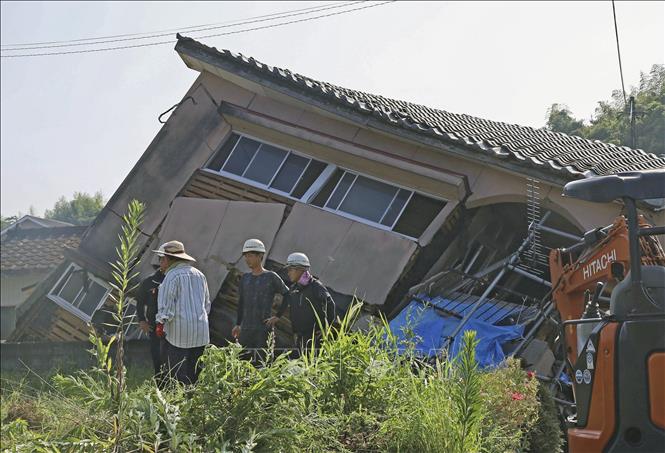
pixel 32 248
pixel 394 203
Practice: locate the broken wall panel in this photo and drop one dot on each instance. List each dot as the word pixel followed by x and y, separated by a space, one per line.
pixel 174 154
pixel 350 257
pixel 213 232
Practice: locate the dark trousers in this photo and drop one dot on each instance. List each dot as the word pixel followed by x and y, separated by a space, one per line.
pixel 156 352
pixel 306 342
pixel 182 363
pixel 254 341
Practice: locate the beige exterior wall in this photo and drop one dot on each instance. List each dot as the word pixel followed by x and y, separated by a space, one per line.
pixel 11 293
pixel 300 122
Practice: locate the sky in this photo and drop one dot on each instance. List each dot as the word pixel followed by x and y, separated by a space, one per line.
pixel 80 122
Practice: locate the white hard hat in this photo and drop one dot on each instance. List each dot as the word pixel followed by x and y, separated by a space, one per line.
pixel 297 259
pixel 253 245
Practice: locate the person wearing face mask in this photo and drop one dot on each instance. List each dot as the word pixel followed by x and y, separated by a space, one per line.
pixel 308 300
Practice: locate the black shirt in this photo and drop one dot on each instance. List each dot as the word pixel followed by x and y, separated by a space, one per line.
pixel 146 298
pixel 256 297
pixel 307 303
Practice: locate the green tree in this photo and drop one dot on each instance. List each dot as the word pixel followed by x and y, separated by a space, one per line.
pixel 6 221
pixel 610 122
pixel 80 210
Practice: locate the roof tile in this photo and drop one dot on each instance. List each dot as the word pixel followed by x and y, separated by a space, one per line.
pixel 530 146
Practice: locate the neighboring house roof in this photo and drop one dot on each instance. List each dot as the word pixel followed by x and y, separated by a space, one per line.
pixel 38 248
pixel 536 148
pixel 31 221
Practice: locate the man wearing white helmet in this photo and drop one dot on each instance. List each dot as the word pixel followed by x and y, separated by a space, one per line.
pixel 257 291
pixel 309 301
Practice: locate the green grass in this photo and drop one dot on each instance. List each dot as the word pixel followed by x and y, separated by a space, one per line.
pixel 356 394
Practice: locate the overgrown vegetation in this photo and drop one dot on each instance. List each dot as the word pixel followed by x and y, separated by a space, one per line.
pixel 356 394
pixel 610 122
pixel 361 391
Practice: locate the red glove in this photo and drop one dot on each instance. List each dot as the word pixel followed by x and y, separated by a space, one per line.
pixel 159 330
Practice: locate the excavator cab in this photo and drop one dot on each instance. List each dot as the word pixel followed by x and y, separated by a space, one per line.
pixel 619 371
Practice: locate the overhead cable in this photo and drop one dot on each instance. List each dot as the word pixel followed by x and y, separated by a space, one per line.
pixel 134 46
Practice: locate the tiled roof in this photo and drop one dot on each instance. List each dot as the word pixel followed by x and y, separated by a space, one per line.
pixel 39 248
pixel 539 148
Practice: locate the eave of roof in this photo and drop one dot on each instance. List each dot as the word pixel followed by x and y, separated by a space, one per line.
pixel 550 156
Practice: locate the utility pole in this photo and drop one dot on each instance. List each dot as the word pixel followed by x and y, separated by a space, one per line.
pixel 632 114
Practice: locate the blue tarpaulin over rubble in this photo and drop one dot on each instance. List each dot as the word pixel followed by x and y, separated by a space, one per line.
pixel 429 327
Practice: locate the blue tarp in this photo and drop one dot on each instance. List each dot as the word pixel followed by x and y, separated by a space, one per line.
pixel 429 328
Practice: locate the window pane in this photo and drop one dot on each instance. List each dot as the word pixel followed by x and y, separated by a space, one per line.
pixel 241 156
pixel 339 193
pixel 265 164
pixel 368 199
pixel 327 189
pixel 223 153
pixel 92 298
pixel 311 174
pixel 290 173
pixel 72 286
pixel 396 207
pixel 418 214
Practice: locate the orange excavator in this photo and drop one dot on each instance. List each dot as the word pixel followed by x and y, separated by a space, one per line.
pixel 609 291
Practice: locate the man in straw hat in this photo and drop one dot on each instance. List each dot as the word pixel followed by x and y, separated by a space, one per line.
pixel 182 314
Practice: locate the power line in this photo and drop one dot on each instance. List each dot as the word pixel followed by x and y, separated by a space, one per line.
pixel 194 29
pixel 171 30
pixel 134 46
pixel 616 32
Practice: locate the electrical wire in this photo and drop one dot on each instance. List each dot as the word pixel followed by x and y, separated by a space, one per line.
pixel 196 29
pixel 134 46
pixel 616 32
pixel 171 30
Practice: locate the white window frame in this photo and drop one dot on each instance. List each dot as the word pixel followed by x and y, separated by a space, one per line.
pixel 314 188
pixel 67 305
pixel 367 221
pixel 317 185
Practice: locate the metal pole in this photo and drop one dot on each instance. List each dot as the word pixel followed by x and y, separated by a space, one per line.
pixel 634 244
pixel 542 318
pixel 512 260
pixel 563 234
pixel 529 275
pixel 633 127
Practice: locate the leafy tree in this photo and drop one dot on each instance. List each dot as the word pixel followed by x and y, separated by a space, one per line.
pixel 610 122
pixel 6 221
pixel 80 210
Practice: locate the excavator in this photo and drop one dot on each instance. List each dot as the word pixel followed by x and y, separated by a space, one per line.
pixel 609 291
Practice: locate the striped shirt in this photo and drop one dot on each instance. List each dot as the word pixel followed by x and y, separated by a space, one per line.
pixel 183 305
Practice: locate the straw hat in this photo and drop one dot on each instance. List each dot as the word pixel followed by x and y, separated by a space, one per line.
pixel 175 249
